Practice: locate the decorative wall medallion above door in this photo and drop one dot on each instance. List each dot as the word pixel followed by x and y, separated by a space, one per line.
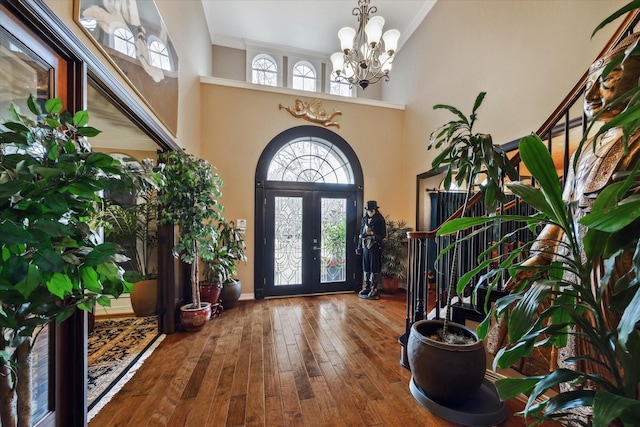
pixel 312 112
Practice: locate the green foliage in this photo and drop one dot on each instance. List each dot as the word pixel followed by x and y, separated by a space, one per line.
pixel 629 119
pixel 547 307
pixel 134 227
pixel 189 201
pixel 470 155
pixel 334 237
pixel 394 255
pixel 224 253
pixel 51 260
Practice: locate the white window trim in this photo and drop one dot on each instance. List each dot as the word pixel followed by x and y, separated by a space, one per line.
pixel 153 38
pixel 252 52
pixel 352 91
pixel 114 26
pixel 317 65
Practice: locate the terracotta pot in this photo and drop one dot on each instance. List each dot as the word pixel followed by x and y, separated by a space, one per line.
pixel 144 298
pixel 194 319
pixel 390 285
pixel 230 293
pixel 210 292
pixel 446 373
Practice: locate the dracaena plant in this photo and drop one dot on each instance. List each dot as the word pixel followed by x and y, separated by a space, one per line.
pixel 554 302
pixel 52 260
pixel 466 156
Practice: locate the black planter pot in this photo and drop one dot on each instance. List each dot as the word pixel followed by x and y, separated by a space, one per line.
pixel 446 373
pixel 230 293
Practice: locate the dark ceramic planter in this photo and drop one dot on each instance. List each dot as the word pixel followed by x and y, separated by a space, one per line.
pixel 446 373
pixel 390 285
pixel 194 319
pixel 230 293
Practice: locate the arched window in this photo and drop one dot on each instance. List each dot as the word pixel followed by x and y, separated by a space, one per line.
pixel 159 55
pixel 304 76
pixel 264 71
pixel 339 86
pixel 124 42
pixel 312 160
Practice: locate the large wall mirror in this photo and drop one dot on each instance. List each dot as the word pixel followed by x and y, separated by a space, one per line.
pixel 118 334
pixel 40 55
pixel 135 40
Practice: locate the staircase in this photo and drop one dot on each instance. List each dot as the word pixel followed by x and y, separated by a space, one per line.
pixel 562 130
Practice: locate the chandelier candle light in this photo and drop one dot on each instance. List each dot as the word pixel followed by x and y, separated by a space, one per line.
pixel 365 57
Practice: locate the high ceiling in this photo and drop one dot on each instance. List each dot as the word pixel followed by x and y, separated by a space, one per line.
pixel 310 25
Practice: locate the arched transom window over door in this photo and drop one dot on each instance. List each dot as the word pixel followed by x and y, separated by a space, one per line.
pixel 308 194
pixel 312 160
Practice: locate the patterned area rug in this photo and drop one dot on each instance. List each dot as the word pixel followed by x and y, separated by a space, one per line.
pixel 114 346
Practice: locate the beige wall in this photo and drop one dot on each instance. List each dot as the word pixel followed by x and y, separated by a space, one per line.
pixel 238 123
pixel 526 55
pixel 229 63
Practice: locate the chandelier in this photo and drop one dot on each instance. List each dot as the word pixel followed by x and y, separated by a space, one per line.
pixel 365 57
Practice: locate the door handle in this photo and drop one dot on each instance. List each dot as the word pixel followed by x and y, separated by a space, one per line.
pixel 316 248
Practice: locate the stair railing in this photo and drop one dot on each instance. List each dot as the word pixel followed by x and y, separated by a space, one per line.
pixel 556 130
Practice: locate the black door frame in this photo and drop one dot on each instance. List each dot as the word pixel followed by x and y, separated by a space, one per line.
pixel 263 185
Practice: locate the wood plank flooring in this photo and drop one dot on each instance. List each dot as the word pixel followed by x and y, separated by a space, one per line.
pixel 330 360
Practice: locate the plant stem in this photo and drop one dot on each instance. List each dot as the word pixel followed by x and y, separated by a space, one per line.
pixel 23 383
pixel 195 292
pixel 454 261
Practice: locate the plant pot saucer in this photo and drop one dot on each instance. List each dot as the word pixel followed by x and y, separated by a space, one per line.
pixel 483 410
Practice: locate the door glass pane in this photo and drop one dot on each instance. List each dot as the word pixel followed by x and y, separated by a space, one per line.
pixel 333 221
pixel 287 257
pixel 21 75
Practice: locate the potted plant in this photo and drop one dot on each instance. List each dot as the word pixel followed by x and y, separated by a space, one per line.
pixel 232 248
pixel 134 228
pixel 219 266
pixel 549 306
pixel 580 290
pixel 469 156
pixel 52 260
pixel 189 201
pixel 394 255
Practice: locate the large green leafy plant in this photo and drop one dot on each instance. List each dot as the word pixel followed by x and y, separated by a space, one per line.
pixel 552 301
pixel 466 157
pixel 224 252
pixel 189 200
pixel 51 261
pixel 561 301
pixel 134 227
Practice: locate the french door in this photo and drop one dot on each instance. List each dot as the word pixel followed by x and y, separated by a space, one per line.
pixel 309 242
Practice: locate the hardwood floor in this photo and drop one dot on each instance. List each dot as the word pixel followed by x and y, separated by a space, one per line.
pixel 330 360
